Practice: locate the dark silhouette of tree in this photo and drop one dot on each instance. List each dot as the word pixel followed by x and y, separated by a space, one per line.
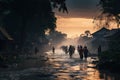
pixel 60 4
pixel 81 35
pixel 110 12
pixel 84 38
pixel 56 37
pixel 87 33
pixel 27 20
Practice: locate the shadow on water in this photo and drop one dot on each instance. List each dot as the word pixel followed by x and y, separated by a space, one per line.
pixel 58 67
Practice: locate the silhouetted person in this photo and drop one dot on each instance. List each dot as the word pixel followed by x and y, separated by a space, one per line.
pixel 66 49
pixel 80 50
pixel 71 50
pixel 99 49
pixel 36 50
pixel 85 52
pixel 53 50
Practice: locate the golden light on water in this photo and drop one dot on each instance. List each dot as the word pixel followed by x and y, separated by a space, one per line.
pixel 74 26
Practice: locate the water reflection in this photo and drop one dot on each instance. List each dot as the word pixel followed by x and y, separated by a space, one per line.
pixel 74 69
pixel 109 76
pixel 59 67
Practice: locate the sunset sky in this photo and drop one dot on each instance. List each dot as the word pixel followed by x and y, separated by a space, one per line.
pixel 73 27
pixel 79 18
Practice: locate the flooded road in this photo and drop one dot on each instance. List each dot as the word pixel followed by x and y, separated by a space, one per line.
pixel 56 66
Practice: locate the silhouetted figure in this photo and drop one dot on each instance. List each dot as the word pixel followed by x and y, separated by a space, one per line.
pixel 85 52
pixel 80 51
pixel 99 49
pixel 53 50
pixel 71 50
pixel 65 49
pixel 36 50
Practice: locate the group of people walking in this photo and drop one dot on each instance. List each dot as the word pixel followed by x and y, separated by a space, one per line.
pixel 82 51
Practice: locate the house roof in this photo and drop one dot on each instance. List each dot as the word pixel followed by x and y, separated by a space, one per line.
pixel 100 32
pixel 113 34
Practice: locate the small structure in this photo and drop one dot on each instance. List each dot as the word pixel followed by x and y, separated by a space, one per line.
pixel 99 39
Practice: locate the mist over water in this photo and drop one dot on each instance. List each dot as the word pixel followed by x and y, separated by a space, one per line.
pixel 75 42
pixel 68 42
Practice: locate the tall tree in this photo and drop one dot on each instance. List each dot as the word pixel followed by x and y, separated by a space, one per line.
pixel 87 33
pixel 27 20
pixel 110 12
pixel 56 37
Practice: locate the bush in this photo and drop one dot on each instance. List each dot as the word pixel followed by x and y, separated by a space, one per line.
pixel 109 60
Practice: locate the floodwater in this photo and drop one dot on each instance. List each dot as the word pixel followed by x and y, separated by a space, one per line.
pixel 56 66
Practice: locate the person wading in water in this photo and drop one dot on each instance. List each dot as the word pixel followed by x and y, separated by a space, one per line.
pixel 80 51
pixel 53 50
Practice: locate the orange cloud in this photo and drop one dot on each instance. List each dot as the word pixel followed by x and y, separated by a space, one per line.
pixel 74 26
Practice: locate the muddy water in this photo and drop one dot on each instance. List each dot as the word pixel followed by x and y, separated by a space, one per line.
pixel 58 67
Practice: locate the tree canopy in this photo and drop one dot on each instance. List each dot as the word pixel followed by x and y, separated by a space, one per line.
pixel 27 20
pixel 110 12
pixel 60 4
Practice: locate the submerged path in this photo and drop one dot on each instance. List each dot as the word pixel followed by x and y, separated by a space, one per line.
pixel 72 68
pixel 56 66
